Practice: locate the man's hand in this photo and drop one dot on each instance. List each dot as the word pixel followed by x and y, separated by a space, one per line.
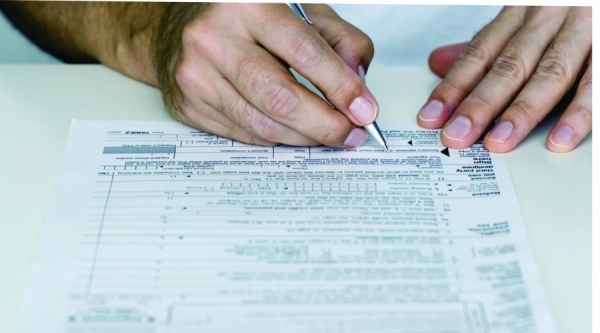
pixel 515 69
pixel 232 78
pixel 223 67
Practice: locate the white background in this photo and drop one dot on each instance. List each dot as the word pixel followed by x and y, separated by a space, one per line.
pixel 402 34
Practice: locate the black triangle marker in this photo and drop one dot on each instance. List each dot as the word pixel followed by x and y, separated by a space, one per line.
pixel 445 151
pixel 410 142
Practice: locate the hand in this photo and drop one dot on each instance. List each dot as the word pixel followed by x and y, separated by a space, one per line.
pixel 232 79
pixel 518 67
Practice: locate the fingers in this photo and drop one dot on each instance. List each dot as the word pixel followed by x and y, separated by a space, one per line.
pixel 518 68
pixel 470 67
pixel 352 45
pixel 259 94
pixel 510 71
pixel 233 65
pixel 269 86
pixel 211 99
pixel 237 108
pixel 299 45
pixel 441 59
pixel 194 111
pixel 576 122
pixel 554 75
pixel 206 118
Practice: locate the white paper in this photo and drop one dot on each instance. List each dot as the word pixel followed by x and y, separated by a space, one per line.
pixel 156 227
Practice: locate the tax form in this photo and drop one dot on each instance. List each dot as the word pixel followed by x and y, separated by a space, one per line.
pixel 156 227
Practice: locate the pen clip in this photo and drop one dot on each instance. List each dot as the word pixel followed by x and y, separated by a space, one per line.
pixel 300 11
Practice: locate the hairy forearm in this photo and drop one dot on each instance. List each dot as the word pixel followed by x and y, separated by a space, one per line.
pixel 120 35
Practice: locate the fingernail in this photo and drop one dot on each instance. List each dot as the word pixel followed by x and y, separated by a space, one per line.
pixel 432 110
pixel 458 128
pixel 501 132
pixel 356 138
pixel 562 137
pixel 361 72
pixel 362 110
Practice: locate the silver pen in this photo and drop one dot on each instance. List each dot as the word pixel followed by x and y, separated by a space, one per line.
pixel 372 128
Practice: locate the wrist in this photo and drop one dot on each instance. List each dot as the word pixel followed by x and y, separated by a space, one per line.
pixel 129 39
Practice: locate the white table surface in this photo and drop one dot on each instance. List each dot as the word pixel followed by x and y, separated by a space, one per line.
pixel 37 103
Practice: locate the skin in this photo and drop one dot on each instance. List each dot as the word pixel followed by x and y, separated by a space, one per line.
pixel 515 70
pixel 223 67
pixel 90 32
pixel 235 82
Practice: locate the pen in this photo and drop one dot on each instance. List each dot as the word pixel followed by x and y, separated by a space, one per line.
pixel 372 128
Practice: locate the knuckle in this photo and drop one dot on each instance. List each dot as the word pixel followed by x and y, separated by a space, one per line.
pixel 251 74
pixel 479 102
pixel 194 36
pixel 449 87
pixel 240 111
pixel 554 64
pixel 253 123
pixel 252 120
pixel 332 132
pixel 281 101
pixel 554 69
pixel 585 83
pixel 189 35
pixel 185 74
pixel 366 44
pixel 346 90
pixel 523 111
pixel 266 128
pixel 474 52
pixel 233 133
pixel 582 112
pixel 305 51
pixel 239 134
pixel 510 65
pixel 332 137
